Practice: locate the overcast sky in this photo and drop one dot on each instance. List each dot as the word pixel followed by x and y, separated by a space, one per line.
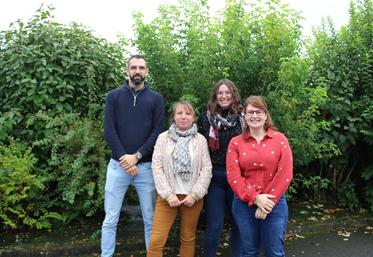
pixel 110 17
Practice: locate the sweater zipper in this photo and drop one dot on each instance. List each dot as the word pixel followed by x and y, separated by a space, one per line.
pixel 136 95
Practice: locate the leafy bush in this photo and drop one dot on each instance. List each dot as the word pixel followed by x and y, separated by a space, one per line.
pixel 346 196
pixel 76 166
pixel 296 110
pixel 51 67
pixel 18 186
pixel 367 175
pixel 53 81
pixel 188 50
pixel 344 62
pixel 308 187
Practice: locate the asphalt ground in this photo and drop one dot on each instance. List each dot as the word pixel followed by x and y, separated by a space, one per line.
pixel 313 230
pixel 340 243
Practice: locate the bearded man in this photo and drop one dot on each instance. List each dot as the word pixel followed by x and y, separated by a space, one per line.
pixel 134 117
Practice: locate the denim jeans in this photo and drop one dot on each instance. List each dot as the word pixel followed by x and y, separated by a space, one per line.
pixel 218 201
pixel 269 232
pixel 117 182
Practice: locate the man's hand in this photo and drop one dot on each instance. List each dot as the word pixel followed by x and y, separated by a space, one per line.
pixel 128 160
pixel 188 201
pixel 264 202
pixel 259 214
pixel 128 164
pixel 132 171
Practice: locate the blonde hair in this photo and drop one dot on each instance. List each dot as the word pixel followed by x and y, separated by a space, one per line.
pixel 185 104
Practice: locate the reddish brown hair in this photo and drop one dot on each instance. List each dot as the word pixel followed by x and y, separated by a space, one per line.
pixel 259 102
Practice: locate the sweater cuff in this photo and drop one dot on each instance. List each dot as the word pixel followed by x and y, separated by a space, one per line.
pixel 194 196
pixel 252 200
pixel 169 197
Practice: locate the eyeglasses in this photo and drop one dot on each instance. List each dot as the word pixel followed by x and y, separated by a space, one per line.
pixel 257 112
pixel 224 93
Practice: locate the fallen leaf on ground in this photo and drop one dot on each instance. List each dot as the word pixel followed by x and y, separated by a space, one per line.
pixel 292 236
pixel 368 230
pixel 299 236
pixel 343 232
pixel 325 217
pixel 312 218
pixel 332 210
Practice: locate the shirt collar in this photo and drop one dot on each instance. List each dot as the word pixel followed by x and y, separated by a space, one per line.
pixel 270 133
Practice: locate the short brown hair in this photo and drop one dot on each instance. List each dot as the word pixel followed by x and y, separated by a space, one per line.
pixel 213 106
pixel 135 56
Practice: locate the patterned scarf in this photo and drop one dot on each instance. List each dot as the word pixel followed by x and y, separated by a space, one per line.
pixel 216 123
pixel 181 154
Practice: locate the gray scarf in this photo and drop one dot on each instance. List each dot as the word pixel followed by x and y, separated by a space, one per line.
pixel 181 154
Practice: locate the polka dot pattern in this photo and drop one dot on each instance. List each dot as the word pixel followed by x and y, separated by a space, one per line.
pixel 264 169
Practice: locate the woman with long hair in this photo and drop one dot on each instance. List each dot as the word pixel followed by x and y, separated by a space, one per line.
pixel 222 121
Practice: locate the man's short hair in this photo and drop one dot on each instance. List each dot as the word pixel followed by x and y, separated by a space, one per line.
pixel 136 56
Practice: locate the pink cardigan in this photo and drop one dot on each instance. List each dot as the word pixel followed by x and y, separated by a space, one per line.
pixel 162 166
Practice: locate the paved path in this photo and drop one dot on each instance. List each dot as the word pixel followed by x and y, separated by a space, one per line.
pixel 330 244
pixel 75 240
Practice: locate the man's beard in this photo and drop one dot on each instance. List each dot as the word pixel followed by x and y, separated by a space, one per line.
pixel 138 80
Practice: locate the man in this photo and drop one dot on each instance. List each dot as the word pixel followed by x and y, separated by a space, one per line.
pixel 134 117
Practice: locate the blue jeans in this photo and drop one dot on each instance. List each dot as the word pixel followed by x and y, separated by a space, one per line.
pixel 269 232
pixel 117 182
pixel 217 201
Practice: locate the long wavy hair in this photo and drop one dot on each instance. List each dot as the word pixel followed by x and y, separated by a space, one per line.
pixel 259 102
pixel 213 105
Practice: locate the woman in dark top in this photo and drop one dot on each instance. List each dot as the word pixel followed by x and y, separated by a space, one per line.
pixel 222 121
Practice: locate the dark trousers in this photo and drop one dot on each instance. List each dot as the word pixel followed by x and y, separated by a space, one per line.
pixel 218 201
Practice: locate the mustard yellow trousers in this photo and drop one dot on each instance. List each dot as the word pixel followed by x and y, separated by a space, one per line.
pixel 164 218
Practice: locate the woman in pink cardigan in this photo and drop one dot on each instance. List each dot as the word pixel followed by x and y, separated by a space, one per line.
pixel 182 172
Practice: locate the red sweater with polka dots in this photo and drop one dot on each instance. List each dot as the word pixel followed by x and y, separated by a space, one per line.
pixel 259 168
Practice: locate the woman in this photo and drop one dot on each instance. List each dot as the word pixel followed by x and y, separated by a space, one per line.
pixel 221 122
pixel 260 169
pixel 182 173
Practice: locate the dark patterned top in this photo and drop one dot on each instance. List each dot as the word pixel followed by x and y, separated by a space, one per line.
pixel 225 134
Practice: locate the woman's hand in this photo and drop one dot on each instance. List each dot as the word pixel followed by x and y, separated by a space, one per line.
pixel 264 203
pixel 188 201
pixel 174 201
pixel 259 214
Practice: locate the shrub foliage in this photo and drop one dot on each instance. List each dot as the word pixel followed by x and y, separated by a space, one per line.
pixel 54 77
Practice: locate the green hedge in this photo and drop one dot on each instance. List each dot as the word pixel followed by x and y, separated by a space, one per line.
pixel 54 77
